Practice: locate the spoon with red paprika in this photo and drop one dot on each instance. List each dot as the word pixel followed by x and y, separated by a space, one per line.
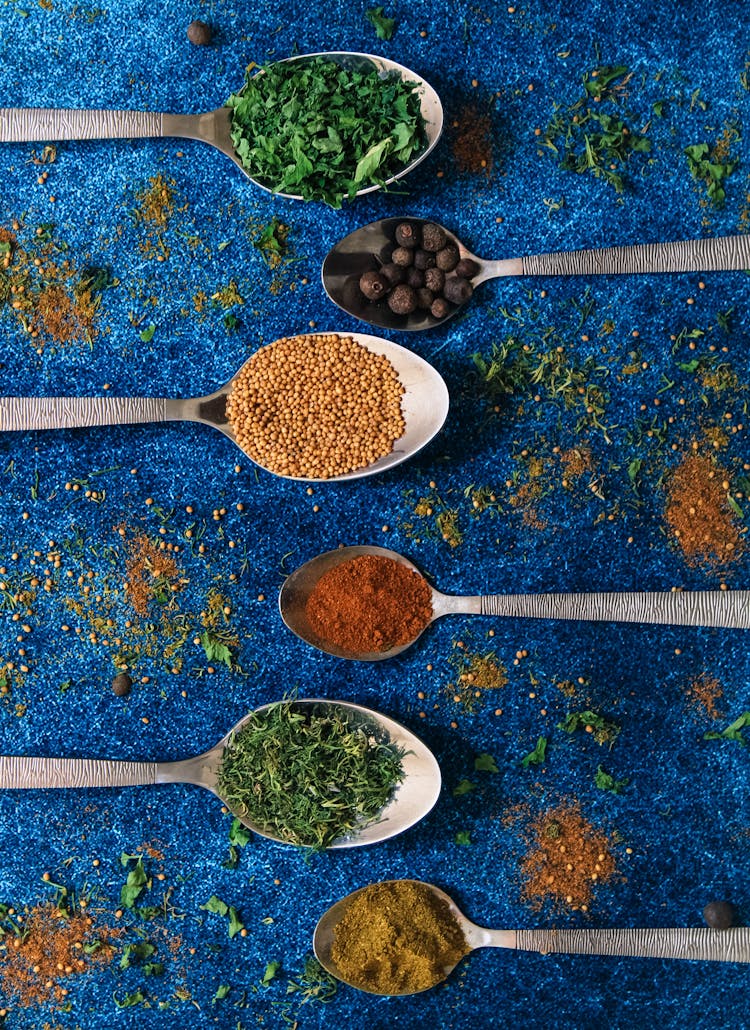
pixel 369 603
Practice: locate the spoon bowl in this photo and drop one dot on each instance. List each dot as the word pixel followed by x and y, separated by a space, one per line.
pixel 728 609
pixel 696 943
pixel 368 248
pixel 29 125
pixel 412 799
pixel 424 407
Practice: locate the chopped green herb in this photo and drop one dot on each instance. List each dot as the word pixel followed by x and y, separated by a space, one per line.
pixel 463 837
pixel 221 992
pixel 733 731
pixel 603 730
pixel 464 787
pixel 215 904
pixel 272 969
pixel 136 952
pixel 707 168
pixel 537 756
pixel 319 130
pixel 148 334
pixel 216 650
pixel 604 781
pixel 271 241
pixel 308 777
pixel 136 881
pixel 485 763
pixel 134 998
pixel 384 27
pixel 314 984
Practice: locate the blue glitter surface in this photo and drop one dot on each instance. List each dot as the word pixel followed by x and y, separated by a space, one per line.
pixel 680 826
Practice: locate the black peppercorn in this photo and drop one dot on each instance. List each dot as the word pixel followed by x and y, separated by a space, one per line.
pixel 434 279
pixel 403 256
pixel 457 290
pixel 423 259
pixel 440 307
pixel 402 299
pixel 374 285
pixel 447 258
pixel 719 915
pixel 407 235
pixel 415 278
pixel 425 298
pixel 199 33
pixel 433 236
pixel 466 268
pixel 395 274
pixel 121 684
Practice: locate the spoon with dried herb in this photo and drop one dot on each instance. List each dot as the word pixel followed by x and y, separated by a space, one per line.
pixel 369 603
pixel 324 126
pixel 411 273
pixel 312 773
pixel 320 406
pixel 402 937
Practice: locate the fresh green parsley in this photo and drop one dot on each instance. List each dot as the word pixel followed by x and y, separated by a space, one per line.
pixel 463 787
pixel 463 837
pixel 485 763
pixel 537 756
pixel 604 781
pixel 384 26
pixel 732 732
pixel 706 168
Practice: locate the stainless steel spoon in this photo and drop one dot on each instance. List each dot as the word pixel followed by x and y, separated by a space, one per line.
pixel 726 609
pixel 369 247
pixel 22 125
pixel 699 944
pixel 424 406
pixel 412 799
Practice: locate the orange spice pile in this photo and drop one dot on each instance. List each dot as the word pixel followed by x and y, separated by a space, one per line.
pixel 145 567
pixel 566 860
pixel 699 515
pixel 703 694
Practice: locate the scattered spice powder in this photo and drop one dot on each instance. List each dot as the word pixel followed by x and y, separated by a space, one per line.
pixel 703 693
pixel 472 141
pixel 368 604
pixel 397 937
pixel 567 858
pixel 699 515
pixel 52 945
pixel 148 571
pixel 477 673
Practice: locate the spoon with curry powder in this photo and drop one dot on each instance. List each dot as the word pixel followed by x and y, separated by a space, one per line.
pixel 19 125
pixel 388 921
pixel 376 250
pixel 339 573
pixel 413 795
pixel 301 385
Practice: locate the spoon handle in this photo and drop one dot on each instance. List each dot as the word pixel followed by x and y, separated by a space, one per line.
pixel 25 772
pixel 22 413
pixel 30 124
pixel 697 943
pixel 723 252
pixel 727 609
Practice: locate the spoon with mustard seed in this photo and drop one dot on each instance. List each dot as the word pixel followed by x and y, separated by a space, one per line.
pixel 371 271
pixel 318 388
pixel 699 944
pixel 29 125
pixel 725 609
pixel 411 799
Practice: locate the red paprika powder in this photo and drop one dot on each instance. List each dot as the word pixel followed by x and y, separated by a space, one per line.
pixel 369 603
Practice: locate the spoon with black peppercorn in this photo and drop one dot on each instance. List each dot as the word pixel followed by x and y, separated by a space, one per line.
pixel 726 609
pixel 423 407
pixel 29 125
pixel 698 944
pixel 410 273
pixel 412 798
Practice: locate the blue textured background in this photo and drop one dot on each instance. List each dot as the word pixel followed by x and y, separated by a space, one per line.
pixel 684 814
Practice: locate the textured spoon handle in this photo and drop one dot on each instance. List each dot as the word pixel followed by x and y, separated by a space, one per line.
pixel 29 124
pixel 26 772
pixel 73 412
pixel 729 609
pixel 723 252
pixel 698 943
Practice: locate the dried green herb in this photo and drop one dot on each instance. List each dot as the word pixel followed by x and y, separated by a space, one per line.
pixel 732 732
pixel 485 763
pixel 322 131
pixel 384 26
pixel 603 730
pixel 537 756
pixel 605 781
pixel 308 777
pixel 706 167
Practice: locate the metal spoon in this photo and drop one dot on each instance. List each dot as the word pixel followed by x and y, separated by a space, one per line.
pixel 696 943
pixel 727 609
pixel 369 247
pixel 424 406
pixel 21 125
pixel 412 799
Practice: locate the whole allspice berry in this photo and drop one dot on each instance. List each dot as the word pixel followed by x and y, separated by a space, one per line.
pixel 406 235
pixel 466 268
pixel 719 915
pixel 374 285
pixel 199 33
pixel 434 279
pixel 402 299
pixel 121 684
pixel 415 277
pixel 423 259
pixel 403 256
pixel 440 307
pixel 394 273
pixel 425 298
pixel 447 257
pixel 457 290
pixel 433 236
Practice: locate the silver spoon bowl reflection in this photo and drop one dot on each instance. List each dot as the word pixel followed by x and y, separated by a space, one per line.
pixel 369 248
pixel 424 406
pixel 729 609
pixel 695 943
pixel 29 125
pixel 412 799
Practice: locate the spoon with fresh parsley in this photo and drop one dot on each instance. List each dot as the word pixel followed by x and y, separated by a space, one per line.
pixel 324 126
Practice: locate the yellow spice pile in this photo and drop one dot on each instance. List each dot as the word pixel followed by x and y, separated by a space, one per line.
pixel 316 406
